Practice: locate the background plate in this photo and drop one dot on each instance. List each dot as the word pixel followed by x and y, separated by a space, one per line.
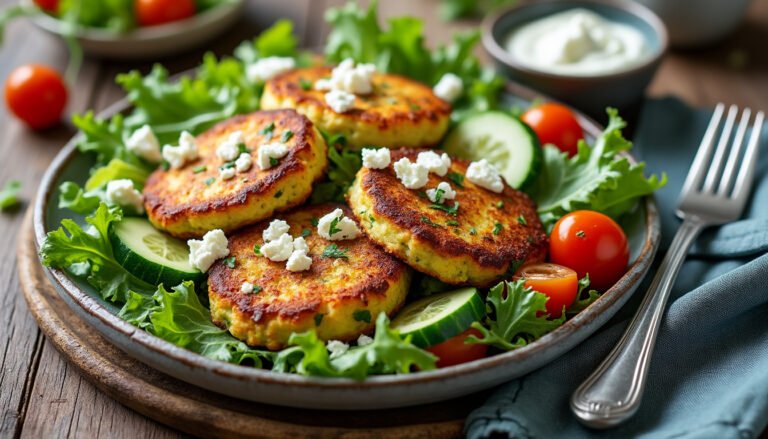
pixel 378 392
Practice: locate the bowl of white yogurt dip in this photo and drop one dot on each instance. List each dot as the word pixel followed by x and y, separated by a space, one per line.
pixel 588 53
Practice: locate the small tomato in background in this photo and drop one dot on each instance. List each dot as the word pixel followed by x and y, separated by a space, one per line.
pixel 37 95
pixel 455 350
pixel 51 6
pixel 154 12
pixel 556 124
pixel 590 242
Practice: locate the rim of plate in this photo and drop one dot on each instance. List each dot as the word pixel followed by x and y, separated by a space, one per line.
pixel 149 33
pixel 95 309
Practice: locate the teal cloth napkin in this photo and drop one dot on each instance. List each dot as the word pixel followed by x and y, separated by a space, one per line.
pixel 709 373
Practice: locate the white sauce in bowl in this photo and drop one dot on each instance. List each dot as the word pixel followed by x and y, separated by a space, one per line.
pixel 577 42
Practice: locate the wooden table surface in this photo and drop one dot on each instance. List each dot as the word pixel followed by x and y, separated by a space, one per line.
pixel 40 394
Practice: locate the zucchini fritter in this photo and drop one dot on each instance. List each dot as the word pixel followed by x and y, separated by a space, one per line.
pixel 338 296
pixel 489 236
pixel 400 111
pixel 194 199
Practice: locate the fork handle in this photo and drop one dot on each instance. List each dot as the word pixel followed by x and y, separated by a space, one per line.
pixel 613 392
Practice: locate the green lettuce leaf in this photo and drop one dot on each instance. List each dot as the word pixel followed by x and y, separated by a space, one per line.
pixel 74 198
pixel 117 169
pixel 9 195
pixel 115 15
pixel 278 40
pixel 178 317
pixel 516 315
pixel 87 253
pixel 104 139
pixel 596 178
pixel 343 164
pixel 389 353
pixel 584 297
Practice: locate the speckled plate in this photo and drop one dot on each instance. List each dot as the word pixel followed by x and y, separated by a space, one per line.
pixel 335 393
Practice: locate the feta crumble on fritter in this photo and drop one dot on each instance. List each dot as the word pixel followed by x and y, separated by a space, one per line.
pixel 449 87
pixel 485 175
pixel 442 192
pixel 178 156
pixel 437 164
pixel 203 253
pixel 376 158
pixel 336 227
pixel 267 68
pixel 412 175
pixel 269 153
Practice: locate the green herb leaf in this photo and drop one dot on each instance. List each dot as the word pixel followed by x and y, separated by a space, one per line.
pixel 333 251
pixel 199 169
pixel 362 316
pixel 454 210
pixel 452 223
pixel 117 169
pixel 521 220
pixel 516 315
pixel 429 222
pixel 257 289
pixel 319 318
pixel 257 249
pixel 229 261
pixel 333 229
pixel 209 181
pixel 584 297
pixel 304 84
pixel 74 198
pixel 9 195
pixel 305 233
pixel 497 228
pixel 286 136
pixel 278 194
pixel 456 178
pixel 268 131
pixel 273 162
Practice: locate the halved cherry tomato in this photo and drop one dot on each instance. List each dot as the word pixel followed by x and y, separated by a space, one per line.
pixel 590 243
pixel 154 12
pixel 556 124
pixel 560 283
pixel 51 6
pixel 36 94
pixel 456 351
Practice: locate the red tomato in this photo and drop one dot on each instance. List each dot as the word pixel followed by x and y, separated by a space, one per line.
pixel 556 124
pixel 36 94
pixel 154 12
pixel 456 351
pixel 590 242
pixel 559 283
pixel 51 6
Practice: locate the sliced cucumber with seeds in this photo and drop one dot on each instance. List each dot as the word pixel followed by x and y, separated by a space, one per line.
pixel 437 318
pixel 151 255
pixel 503 140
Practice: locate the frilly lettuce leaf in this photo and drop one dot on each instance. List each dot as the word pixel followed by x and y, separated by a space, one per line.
pixel 597 178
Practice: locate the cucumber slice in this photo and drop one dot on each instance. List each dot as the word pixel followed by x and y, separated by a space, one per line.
pixel 150 254
pixel 503 140
pixel 437 318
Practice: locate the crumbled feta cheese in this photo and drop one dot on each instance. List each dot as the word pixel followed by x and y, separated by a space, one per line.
pixel 343 227
pixel 449 87
pixel 437 164
pixel 340 101
pixel 229 149
pixel 485 175
pixel 336 348
pixel 203 253
pixel 227 173
pixel 376 158
pixel 349 78
pixel 299 261
pixel 412 175
pixel 268 152
pixel 177 156
pixel 447 193
pixel 275 229
pixel 122 193
pixel 278 250
pixel 267 68
pixel 144 144
pixel 246 288
pixel 300 245
pixel 364 340
pixel 244 162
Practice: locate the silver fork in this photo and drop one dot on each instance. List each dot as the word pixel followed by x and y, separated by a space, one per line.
pixel 711 195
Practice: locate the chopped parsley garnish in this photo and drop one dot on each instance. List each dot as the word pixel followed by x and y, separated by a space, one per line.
pixel 333 251
pixel 428 221
pixel 421 194
pixel 472 231
pixel 497 228
pixel 257 289
pixel 362 315
pixel 333 229
pixel 165 165
pixel 273 161
pixel 242 149
pixel 371 219
pixel 209 181
pixel 449 210
pixel 457 178
pixel 305 85
pixel 278 194
pixel 500 205
pixel 227 165
pixel 199 169
pixel 439 195
pixel 581 234
pixel 305 233
pixel 257 249
pixel 414 107
pixel 452 223
pixel 319 318
pixel 522 221
pixel 286 136
pixel 268 131
pixel 230 262
pixel 314 221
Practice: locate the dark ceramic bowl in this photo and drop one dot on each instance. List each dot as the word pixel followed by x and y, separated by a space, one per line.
pixel 589 93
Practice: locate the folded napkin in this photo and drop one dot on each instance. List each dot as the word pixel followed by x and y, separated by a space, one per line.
pixel 709 372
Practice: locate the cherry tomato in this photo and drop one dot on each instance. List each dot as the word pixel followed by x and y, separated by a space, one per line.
pixel 590 242
pixel 36 94
pixel 556 124
pixel 456 351
pixel 560 283
pixel 51 6
pixel 154 12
